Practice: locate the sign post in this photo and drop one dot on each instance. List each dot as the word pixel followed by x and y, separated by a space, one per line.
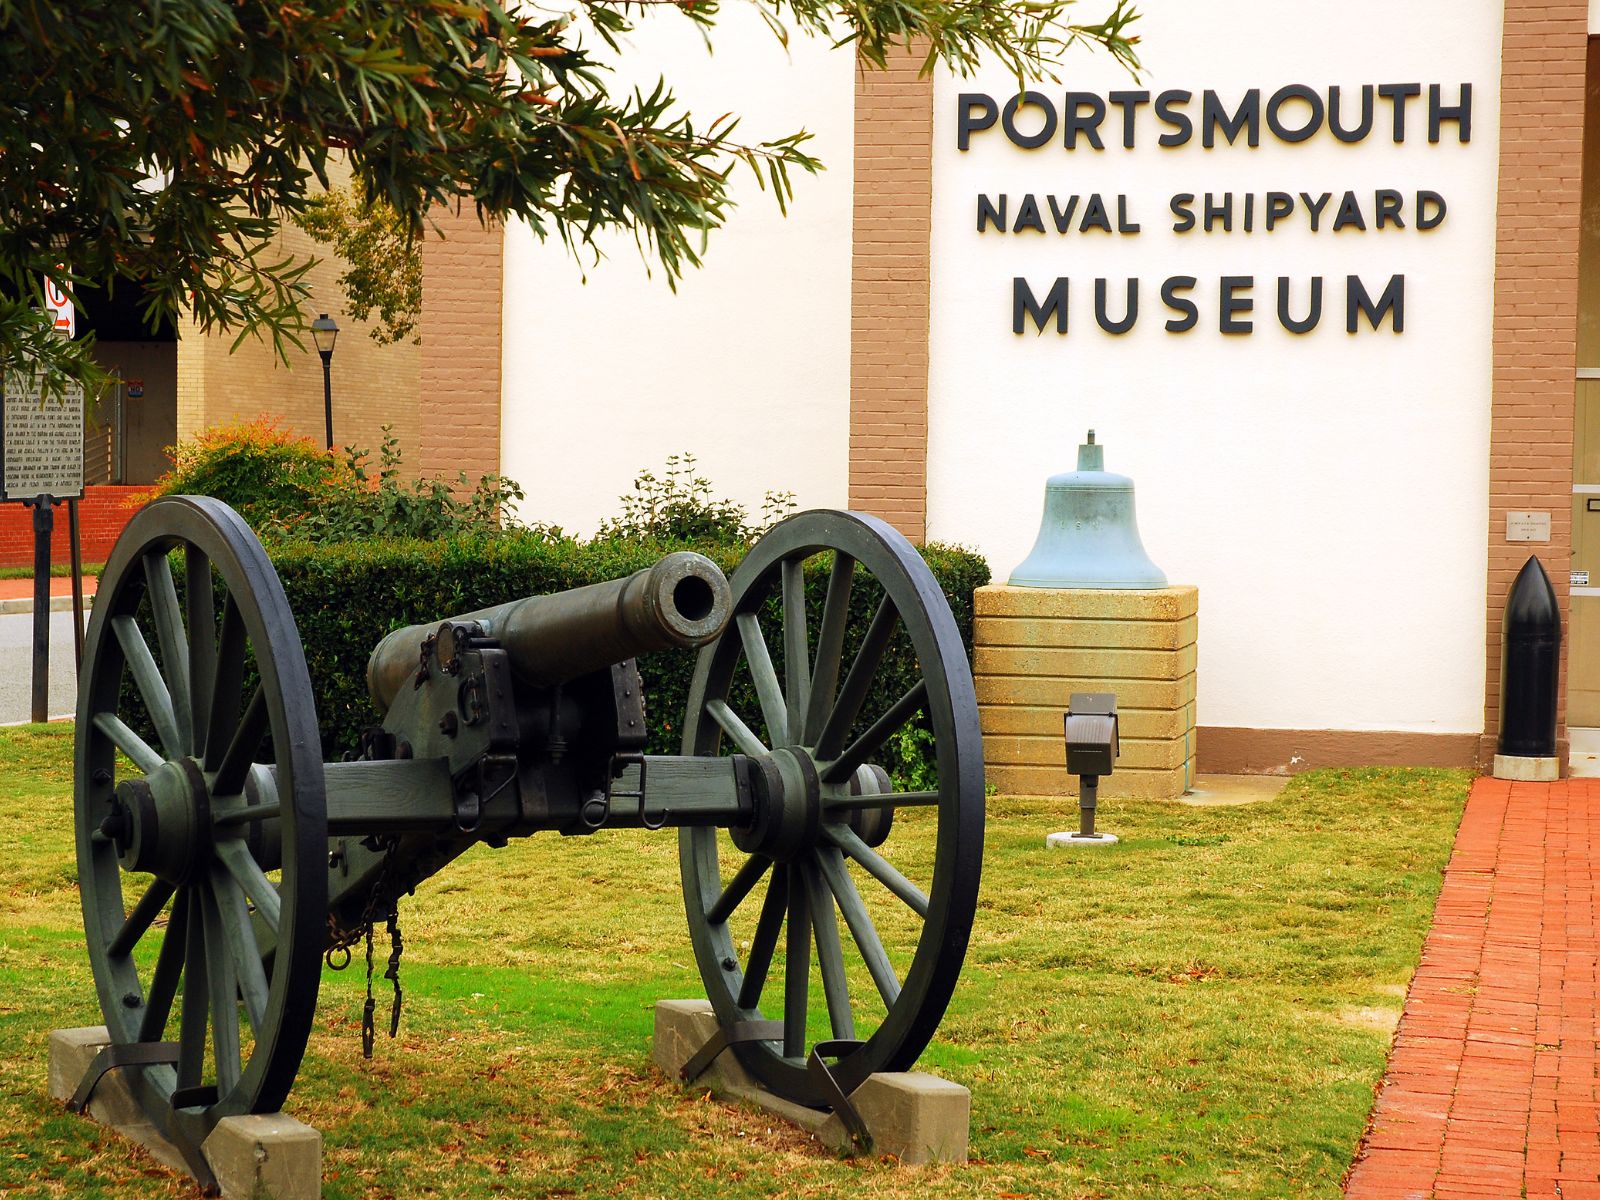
pixel 41 442
pixel 43 522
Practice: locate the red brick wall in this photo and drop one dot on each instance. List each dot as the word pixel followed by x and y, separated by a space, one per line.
pixel 459 408
pixel 1543 67
pixel 102 513
pixel 889 294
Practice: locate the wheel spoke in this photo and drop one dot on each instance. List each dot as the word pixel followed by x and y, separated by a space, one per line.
pixel 743 736
pixel 773 709
pixel 130 743
pixel 881 800
pixel 164 979
pixel 152 688
pixel 830 645
pixel 172 640
pixel 796 967
pixel 144 912
pixel 860 924
pixel 901 711
pixel 241 750
pixel 796 647
pixel 242 948
pixel 192 1017
pixel 227 685
pixel 247 814
pixel 222 996
pixel 235 856
pixel 200 600
pixel 765 942
pixel 738 888
pixel 878 867
pixel 830 955
pixel 859 681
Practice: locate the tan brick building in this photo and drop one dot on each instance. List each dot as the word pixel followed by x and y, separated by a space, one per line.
pixel 177 382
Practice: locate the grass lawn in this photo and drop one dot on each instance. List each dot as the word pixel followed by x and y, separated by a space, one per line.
pixel 58 570
pixel 1203 1010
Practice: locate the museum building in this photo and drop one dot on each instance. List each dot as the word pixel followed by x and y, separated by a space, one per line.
pixel 1319 278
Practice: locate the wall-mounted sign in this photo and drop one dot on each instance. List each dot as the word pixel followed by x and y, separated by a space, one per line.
pixel 41 440
pixel 1087 122
pixel 1527 527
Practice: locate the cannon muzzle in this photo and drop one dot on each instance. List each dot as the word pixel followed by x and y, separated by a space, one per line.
pixel 682 601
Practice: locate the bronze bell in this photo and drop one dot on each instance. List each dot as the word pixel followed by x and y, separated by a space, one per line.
pixel 1088 537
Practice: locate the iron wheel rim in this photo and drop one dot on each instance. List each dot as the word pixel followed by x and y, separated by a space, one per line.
pixel 217 917
pixel 774 565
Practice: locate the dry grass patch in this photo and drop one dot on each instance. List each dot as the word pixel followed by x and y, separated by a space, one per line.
pixel 1167 1017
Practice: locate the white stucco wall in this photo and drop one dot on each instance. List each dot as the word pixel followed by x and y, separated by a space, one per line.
pixel 748 366
pixel 1327 492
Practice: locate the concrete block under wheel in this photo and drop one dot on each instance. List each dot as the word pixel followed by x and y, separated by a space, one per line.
pixel 267 1157
pixel 912 1115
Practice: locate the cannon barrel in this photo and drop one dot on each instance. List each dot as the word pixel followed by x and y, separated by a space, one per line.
pixel 682 601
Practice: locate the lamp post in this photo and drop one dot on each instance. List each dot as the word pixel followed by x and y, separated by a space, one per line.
pixel 324 332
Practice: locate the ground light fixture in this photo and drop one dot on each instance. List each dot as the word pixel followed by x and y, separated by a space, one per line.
pixel 325 332
pixel 1090 725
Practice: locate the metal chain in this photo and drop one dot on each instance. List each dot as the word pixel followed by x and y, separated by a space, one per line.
pixel 396 946
pixel 341 938
pixel 367 1036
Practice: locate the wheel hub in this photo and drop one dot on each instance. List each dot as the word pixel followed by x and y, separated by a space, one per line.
pixel 788 795
pixel 787 792
pixel 161 822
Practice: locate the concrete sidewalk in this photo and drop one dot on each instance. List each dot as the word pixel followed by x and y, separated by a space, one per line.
pixel 16 595
pixel 1491 1085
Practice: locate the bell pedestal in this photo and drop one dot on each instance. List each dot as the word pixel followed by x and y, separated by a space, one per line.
pixel 1033 647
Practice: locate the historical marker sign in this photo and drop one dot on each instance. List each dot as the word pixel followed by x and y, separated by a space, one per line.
pixel 41 440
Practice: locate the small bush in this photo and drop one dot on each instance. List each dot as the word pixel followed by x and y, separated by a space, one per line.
pixel 267 474
pixel 285 486
pixel 678 505
pixel 364 505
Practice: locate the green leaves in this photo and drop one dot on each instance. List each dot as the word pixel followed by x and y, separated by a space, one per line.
pixel 383 261
pixel 166 143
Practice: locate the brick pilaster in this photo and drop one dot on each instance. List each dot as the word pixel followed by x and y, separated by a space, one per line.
pixel 889 294
pixel 1543 67
pixel 462 289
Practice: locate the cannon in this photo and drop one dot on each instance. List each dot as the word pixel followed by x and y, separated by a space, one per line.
pixel 221 860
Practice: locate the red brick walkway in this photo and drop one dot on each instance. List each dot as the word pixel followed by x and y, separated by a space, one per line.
pixel 1491 1088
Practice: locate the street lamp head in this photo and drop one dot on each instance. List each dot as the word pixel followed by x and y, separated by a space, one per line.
pixel 324 332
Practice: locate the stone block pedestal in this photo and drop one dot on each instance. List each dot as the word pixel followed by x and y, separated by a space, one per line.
pixel 266 1157
pixel 915 1116
pixel 1034 647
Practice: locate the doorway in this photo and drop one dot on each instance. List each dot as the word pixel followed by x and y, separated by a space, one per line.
pixel 136 423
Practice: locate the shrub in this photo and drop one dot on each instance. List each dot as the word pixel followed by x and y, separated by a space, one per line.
pixel 678 505
pixel 362 554
pixel 363 505
pixel 347 596
pixel 285 486
pixel 267 474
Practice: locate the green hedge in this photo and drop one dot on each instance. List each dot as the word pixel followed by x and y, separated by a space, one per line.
pixel 347 596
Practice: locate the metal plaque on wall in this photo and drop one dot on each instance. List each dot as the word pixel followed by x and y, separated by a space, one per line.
pixel 41 440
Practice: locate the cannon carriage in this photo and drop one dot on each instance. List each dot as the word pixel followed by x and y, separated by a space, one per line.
pixel 221 859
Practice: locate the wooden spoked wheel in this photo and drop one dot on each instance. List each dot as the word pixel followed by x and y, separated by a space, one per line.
pixel 201 817
pixel 830 838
